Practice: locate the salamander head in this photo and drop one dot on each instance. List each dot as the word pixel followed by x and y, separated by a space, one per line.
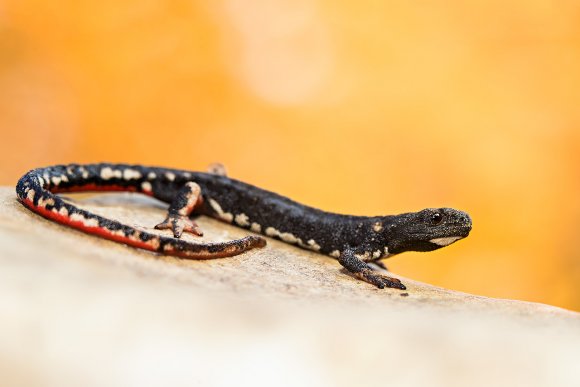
pixel 426 230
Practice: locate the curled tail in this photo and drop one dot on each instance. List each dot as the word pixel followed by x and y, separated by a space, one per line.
pixel 35 190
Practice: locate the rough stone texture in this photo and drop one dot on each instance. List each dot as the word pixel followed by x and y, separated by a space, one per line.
pixel 80 311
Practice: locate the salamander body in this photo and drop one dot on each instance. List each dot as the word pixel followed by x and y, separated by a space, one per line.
pixel 355 241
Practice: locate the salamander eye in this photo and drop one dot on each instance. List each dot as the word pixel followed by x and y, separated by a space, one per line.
pixel 436 218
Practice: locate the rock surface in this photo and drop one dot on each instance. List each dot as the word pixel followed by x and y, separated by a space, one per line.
pixel 80 311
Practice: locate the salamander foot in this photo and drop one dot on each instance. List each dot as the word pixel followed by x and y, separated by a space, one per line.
pixel 365 272
pixel 178 224
pixel 380 280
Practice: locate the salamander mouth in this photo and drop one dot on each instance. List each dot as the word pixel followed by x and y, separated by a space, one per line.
pixel 454 234
pixel 446 241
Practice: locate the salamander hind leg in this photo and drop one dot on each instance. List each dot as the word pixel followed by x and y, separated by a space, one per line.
pixel 181 207
pixel 365 272
pixel 217 169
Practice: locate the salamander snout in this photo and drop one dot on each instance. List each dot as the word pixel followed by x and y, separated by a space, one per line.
pixel 453 222
pixel 454 225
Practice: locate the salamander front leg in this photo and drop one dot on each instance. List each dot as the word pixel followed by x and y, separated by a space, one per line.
pixel 178 215
pixel 365 272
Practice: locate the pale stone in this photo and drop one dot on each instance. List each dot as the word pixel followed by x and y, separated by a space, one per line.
pixel 77 310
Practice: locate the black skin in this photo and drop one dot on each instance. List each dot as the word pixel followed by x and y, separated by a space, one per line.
pixel 358 239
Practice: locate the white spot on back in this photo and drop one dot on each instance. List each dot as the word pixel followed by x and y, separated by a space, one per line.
pixel 151 175
pixel 56 180
pixel 335 253
pixel 377 227
pixel 445 241
pixel 271 231
pixel 377 254
pixel 108 173
pixel 255 227
pixel 170 176
pixel 129 174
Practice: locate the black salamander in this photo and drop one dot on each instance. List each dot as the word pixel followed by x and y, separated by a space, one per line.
pixel 356 241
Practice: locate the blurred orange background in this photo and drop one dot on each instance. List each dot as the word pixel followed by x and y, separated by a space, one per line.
pixel 365 107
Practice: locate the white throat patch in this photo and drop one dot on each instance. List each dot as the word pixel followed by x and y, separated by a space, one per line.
pixel 444 241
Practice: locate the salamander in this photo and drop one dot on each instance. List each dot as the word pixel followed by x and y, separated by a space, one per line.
pixel 359 243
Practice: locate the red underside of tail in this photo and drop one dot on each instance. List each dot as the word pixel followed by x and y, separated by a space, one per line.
pixel 99 231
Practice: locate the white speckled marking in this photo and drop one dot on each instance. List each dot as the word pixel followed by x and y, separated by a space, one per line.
pixel 129 174
pixel 63 211
pixel 135 236
pixel 151 175
pixel 255 227
pixel 228 217
pixel 45 202
pixel 91 222
pixel 146 186
pixel 365 255
pixel 117 232
pixel 170 176
pixel 242 220
pixel 377 227
pixel 444 241
pixel 88 222
pixel 313 245
pixel 153 243
pixel 285 236
pixel 377 254
pixel 30 195
pixel 289 238
pixel 108 173
pixel 335 253
pixel 56 180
